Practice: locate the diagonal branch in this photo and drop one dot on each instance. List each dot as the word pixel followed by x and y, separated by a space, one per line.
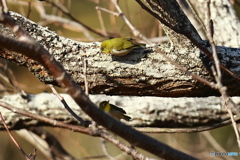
pixel 140 73
pixel 170 14
pixel 33 50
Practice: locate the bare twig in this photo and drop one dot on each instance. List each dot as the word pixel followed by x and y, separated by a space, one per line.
pixel 103 144
pixel 134 30
pixel 218 75
pixel 67 13
pixel 5 7
pixel 198 19
pixel 211 84
pixel 185 130
pixel 179 29
pixel 215 144
pixel 33 50
pixel 85 74
pixel 8 82
pixel 14 141
pixel 45 119
pixel 101 20
pixel 233 122
pixel 70 24
pixel 210 32
pixel 82 122
pixel 55 147
pixel 108 11
pixel 97 132
pixel 29 9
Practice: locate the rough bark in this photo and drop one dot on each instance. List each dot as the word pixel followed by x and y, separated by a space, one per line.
pixel 148 111
pixel 108 73
pixel 142 73
pixel 226 23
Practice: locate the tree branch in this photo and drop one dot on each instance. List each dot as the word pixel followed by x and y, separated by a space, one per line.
pixel 26 46
pixel 140 73
pixel 147 111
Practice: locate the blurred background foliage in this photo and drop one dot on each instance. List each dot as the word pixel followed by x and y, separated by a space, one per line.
pixel 80 145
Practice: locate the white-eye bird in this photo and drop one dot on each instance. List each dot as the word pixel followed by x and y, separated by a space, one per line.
pixel 119 46
pixel 114 111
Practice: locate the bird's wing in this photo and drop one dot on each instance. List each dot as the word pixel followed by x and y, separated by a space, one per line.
pixel 129 44
pixel 118 109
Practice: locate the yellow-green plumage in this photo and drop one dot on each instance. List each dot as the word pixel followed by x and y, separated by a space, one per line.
pixel 119 46
pixel 113 110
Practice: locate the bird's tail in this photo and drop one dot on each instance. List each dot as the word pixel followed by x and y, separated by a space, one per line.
pixel 127 118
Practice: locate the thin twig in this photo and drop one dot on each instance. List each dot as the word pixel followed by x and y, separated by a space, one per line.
pixel 29 9
pixel 101 20
pixel 196 42
pixel 54 146
pixel 134 30
pixel 210 139
pixel 108 11
pixel 13 139
pixel 226 100
pixel 66 23
pixel 233 123
pixel 97 132
pixel 28 47
pixel 8 80
pixel 85 74
pixel 210 32
pixel 67 13
pixel 197 16
pixel 82 122
pixel 103 144
pixel 194 76
pixel 185 130
pixel 5 7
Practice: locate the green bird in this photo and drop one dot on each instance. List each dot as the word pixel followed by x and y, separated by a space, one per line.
pixel 114 111
pixel 120 46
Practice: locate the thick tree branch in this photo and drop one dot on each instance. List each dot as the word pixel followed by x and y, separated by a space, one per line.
pixel 147 112
pixel 25 45
pixel 141 73
pixel 178 27
pixel 225 20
